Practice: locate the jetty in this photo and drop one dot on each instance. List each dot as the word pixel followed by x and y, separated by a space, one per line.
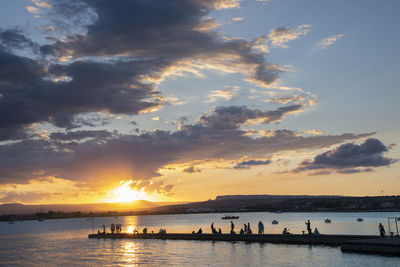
pixel 348 243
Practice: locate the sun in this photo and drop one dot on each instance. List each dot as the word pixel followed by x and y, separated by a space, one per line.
pixel 124 193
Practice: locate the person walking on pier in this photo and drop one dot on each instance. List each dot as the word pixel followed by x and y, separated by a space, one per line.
pixel 260 228
pixel 382 230
pixel 249 229
pixel 232 228
pixel 308 227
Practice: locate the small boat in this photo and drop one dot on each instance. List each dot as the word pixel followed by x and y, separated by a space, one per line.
pixel 328 221
pixel 275 222
pixel 230 217
pixel 360 219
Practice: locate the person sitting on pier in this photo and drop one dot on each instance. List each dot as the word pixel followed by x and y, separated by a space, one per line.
pixel 241 231
pixel 316 232
pixel 144 230
pixel 219 231
pixel 260 228
pixel 381 230
pixel 135 231
pixel 286 231
pixel 200 231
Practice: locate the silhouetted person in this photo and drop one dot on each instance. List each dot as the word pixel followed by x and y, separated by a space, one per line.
pixel 241 231
pixel 382 230
pixel 232 228
pixel 104 229
pixel 316 232
pixel 200 231
pixel 219 231
pixel 144 230
pixel 308 227
pixel 212 228
pixel 285 231
pixel 249 229
pixel 260 228
pixel 245 228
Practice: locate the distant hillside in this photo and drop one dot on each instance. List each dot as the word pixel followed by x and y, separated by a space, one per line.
pixel 97 207
pixel 288 203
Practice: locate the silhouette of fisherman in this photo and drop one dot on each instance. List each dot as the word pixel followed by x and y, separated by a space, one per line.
pixel 308 227
pixel 249 229
pixel 232 228
pixel 260 228
pixel 212 227
pixel 382 230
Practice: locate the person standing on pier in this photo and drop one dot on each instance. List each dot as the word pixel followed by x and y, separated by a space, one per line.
pixel 260 228
pixel 382 230
pixel 212 228
pixel 308 227
pixel 248 229
pixel 232 228
pixel 245 228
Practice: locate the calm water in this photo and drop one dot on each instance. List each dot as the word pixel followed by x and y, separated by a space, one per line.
pixel 64 242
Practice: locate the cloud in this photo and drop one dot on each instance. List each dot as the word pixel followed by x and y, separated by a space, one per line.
pixel 237 19
pixel 249 163
pixel 32 9
pixel 225 94
pixel 349 158
pixel 88 155
pixel 151 187
pixel 328 41
pixel 192 169
pixel 114 64
pixel 280 36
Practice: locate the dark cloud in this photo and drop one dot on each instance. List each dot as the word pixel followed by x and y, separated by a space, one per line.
pixel 167 30
pixel 141 156
pixel 249 163
pixel 15 38
pixel 93 87
pixel 233 116
pixel 349 158
pixel 192 169
pixel 79 135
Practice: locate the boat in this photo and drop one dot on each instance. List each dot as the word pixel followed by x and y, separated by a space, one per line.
pixel 230 217
pixel 327 221
pixel 275 222
pixel 360 219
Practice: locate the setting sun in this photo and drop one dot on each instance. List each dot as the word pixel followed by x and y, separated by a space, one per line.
pixel 124 193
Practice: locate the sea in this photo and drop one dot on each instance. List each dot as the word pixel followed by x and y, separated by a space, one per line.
pixel 65 242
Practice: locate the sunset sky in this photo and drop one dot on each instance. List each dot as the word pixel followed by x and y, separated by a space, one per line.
pixel 184 100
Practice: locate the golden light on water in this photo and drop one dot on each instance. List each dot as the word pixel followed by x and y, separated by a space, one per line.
pixel 124 193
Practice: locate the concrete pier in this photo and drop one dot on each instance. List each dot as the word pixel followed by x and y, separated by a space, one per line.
pixel 384 246
pixel 328 240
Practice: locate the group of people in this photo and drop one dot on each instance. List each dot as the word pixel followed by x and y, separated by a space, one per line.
pixel 309 230
pixel 115 228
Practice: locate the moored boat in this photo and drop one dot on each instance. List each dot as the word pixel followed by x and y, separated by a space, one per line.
pixel 230 217
pixel 275 222
pixel 327 221
pixel 360 219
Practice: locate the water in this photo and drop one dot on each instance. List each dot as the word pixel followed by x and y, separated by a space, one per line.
pixel 64 242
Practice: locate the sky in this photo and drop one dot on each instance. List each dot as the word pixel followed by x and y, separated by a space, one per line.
pixel 185 100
